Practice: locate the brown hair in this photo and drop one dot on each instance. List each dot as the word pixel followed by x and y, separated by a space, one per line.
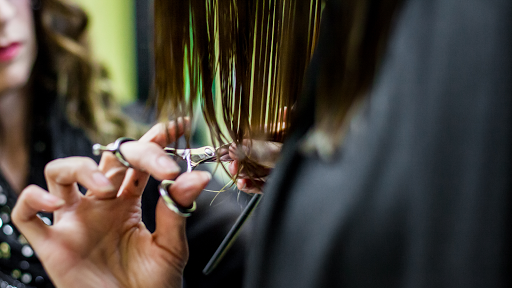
pixel 64 66
pixel 253 53
pixel 256 52
pixel 359 32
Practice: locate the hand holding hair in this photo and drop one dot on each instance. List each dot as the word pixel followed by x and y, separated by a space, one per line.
pixel 98 239
pixel 264 153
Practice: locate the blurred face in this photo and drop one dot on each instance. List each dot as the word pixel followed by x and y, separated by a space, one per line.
pixel 17 44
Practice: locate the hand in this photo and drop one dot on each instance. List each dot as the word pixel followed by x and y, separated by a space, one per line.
pixel 264 153
pixel 98 239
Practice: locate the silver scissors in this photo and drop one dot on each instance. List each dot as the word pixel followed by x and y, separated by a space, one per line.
pixel 196 156
pixel 193 157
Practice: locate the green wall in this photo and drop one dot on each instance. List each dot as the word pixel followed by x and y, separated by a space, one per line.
pixel 112 39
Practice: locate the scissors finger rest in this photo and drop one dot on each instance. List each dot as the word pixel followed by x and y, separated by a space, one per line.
pixel 115 147
pixel 171 204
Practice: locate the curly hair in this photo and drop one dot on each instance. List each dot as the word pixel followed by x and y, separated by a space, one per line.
pixel 64 66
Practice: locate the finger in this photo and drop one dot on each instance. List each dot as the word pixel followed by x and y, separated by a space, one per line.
pixel 114 170
pixel 265 153
pixel 148 157
pixel 151 158
pixel 119 175
pixel 170 227
pixel 243 183
pixel 238 154
pixel 249 186
pixel 164 134
pixel 233 167
pixel 63 174
pixel 188 186
pixel 32 200
pixel 160 134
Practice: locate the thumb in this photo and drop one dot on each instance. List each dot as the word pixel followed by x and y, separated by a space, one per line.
pixel 170 227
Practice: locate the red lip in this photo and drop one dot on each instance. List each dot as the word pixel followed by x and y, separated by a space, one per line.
pixel 9 52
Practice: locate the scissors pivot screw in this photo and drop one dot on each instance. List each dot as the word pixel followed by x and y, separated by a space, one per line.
pixel 209 152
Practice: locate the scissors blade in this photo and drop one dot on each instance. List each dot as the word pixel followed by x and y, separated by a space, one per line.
pixel 205 154
pixel 182 153
pixel 202 154
pixel 194 156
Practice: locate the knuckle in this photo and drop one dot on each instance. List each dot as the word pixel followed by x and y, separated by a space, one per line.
pixel 115 172
pixel 51 166
pixel 60 170
pixel 87 163
pixel 154 150
pixel 153 147
pixel 155 134
pixel 28 192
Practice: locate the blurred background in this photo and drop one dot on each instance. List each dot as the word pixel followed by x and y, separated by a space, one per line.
pixel 121 39
pixel 120 33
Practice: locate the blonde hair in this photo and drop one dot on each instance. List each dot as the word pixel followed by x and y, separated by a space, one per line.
pixel 64 66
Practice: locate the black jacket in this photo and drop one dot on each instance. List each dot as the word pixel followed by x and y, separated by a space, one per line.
pixel 419 194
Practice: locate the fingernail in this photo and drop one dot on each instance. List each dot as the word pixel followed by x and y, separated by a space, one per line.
pixel 241 184
pixel 207 174
pixel 102 182
pixel 167 165
pixel 232 168
pixel 53 201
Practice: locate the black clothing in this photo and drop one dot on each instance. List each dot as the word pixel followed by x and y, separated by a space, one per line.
pixel 53 137
pixel 206 228
pixel 419 193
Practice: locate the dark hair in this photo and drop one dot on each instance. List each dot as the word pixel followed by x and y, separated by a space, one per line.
pixel 359 31
pixel 255 54
pixel 252 53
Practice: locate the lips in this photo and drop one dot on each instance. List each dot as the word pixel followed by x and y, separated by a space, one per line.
pixel 9 52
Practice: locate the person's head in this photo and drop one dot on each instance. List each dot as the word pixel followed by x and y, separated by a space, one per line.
pixel 18 48
pixel 254 55
pixel 49 38
pixel 242 61
pixel 42 40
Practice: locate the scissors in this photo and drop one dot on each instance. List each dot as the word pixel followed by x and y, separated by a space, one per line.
pixel 196 156
pixel 208 154
pixel 193 157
